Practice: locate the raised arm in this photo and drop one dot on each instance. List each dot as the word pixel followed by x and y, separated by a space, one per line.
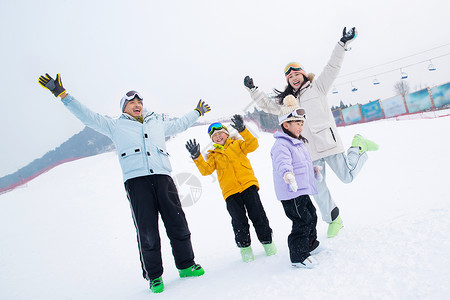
pixel 325 80
pixel 179 125
pixel 89 118
pixel 264 102
pixel 205 167
pixel 250 143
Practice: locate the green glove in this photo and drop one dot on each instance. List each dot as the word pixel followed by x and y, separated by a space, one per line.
pixel 54 85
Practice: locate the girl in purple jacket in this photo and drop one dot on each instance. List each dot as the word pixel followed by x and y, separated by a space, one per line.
pixel 293 177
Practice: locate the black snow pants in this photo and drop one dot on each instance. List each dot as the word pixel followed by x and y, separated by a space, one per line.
pixel 303 237
pixel 248 201
pixel 150 196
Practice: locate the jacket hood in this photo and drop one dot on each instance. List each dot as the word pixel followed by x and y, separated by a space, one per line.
pixel 281 135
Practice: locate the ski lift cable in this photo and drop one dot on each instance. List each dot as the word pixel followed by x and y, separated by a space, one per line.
pixel 393 61
pixel 371 76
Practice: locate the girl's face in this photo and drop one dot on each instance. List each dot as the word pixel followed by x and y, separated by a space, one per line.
pixel 294 127
pixel 219 137
pixel 296 79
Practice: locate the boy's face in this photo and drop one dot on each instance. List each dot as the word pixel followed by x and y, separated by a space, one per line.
pixel 219 137
pixel 134 108
pixel 294 127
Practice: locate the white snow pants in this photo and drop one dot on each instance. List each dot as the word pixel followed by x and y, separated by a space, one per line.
pixel 346 167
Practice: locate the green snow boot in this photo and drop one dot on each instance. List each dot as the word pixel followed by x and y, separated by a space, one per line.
pixel 247 254
pixel 363 144
pixel 192 271
pixel 157 285
pixel 334 227
pixel 270 249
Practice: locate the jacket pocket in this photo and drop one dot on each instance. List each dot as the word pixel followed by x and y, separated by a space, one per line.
pixel 302 174
pixel 246 165
pixel 164 156
pixel 323 138
pixel 131 159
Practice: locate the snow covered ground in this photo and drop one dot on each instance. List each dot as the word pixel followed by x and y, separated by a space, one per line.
pixel 69 234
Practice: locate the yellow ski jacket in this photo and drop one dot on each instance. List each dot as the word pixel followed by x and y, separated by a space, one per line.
pixel 233 168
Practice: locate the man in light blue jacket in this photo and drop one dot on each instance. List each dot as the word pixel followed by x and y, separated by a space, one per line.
pixel 140 144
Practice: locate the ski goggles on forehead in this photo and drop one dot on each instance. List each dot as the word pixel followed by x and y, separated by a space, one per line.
pixel 131 95
pixel 299 113
pixel 213 127
pixel 292 67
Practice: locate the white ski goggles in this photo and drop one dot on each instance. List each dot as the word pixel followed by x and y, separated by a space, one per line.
pixel 131 95
pixel 299 113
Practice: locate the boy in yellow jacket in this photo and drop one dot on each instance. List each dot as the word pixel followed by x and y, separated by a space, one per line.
pixel 238 183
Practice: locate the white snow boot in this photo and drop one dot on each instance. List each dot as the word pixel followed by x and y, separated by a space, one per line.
pixel 309 263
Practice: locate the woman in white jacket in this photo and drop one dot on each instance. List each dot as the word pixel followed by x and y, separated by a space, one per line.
pixel 325 144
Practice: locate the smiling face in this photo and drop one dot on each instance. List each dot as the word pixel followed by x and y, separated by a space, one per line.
pixel 295 79
pixel 134 108
pixel 219 137
pixel 294 127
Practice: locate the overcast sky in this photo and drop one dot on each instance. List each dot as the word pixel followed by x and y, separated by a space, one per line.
pixel 176 52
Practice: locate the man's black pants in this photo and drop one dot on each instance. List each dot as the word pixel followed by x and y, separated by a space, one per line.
pixel 148 196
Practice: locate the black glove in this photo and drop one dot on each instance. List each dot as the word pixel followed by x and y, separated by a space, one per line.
pixel 202 107
pixel 238 123
pixel 193 148
pixel 348 36
pixel 248 82
pixel 54 85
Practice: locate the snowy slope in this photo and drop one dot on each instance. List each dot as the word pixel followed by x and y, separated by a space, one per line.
pixel 69 234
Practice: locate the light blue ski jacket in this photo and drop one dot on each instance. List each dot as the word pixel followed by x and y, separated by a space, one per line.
pixel 141 147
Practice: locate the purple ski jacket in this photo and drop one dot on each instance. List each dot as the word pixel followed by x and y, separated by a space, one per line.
pixel 290 155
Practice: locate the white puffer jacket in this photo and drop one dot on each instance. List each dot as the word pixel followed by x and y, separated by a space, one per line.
pixel 319 127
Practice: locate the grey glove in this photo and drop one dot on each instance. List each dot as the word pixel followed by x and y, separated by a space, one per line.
pixel 248 82
pixel 238 123
pixel 348 37
pixel 202 107
pixel 193 148
pixel 54 85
